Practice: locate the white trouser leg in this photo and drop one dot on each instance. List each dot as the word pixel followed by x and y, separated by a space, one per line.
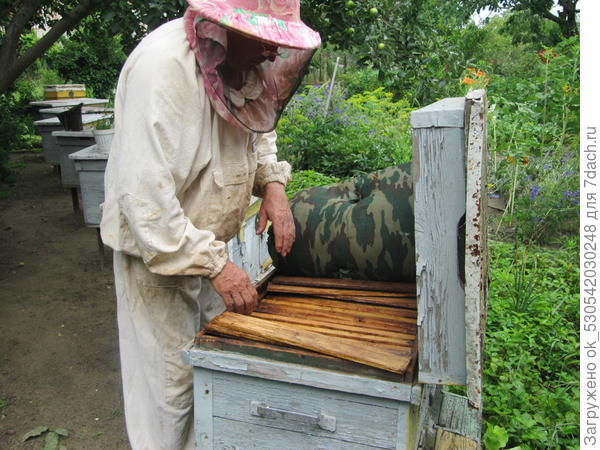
pixel 157 317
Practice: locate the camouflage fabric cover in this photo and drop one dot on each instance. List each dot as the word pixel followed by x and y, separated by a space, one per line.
pixel 362 228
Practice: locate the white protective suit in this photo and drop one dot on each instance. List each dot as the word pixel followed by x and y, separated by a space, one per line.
pixel 177 185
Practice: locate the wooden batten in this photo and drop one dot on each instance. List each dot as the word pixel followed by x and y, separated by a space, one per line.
pixel 476 252
pixel 395 360
pixel 337 283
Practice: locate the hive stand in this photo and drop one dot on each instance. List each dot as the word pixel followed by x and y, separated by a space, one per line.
pixel 248 396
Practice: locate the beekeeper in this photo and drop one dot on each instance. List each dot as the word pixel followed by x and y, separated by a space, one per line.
pixel 196 105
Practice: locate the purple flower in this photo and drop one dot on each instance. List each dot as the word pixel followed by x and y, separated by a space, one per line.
pixel 568 155
pixel 371 131
pixel 533 192
pixel 568 173
pixel 528 178
pixel 572 196
pixel 547 166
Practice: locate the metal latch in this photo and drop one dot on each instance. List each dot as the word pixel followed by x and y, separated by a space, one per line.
pixel 260 409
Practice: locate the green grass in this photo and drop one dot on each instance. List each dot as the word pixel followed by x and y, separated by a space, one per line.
pixel 531 378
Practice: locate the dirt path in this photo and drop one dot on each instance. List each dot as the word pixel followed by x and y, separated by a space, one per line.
pixel 59 363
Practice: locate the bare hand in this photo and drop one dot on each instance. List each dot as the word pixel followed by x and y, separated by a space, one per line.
pixel 275 207
pixel 235 287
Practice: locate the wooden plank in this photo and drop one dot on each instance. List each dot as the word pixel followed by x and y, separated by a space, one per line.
pixel 294 355
pixel 400 302
pixel 439 185
pixel 264 367
pixel 336 326
pixel 386 286
pixel 456 415
pixel 307 290
pixel 476 254
pixel 217 328
pixel 233 434
pixel 358 336
pixel 388 311
pixel 367 353
pixel 203 408
pixel 359 419
pixel 281 305
pixel 446 440
pixel 350 319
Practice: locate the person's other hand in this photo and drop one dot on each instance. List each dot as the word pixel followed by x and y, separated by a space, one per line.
pixel 276 208
pixel 238 292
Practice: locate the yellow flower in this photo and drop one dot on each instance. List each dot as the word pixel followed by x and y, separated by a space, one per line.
pixel 566 88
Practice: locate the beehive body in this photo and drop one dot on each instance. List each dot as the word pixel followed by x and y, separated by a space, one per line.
pixel 256 395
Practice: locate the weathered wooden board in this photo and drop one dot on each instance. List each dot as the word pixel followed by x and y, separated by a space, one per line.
pixel 396 360
pixel 340 306
pixel 231 434
pixel 476 258
pixel 203 417
pixel 439 185
pixel 446 440
pixel 358 419
pixel 346 284
pixel 353 319
pixel 456 415
pixel 297 373
pixel 332 325
pixel 288 354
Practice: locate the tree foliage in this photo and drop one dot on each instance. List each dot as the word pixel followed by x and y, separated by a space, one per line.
pixel 410 43
pixel 536 12
pixel 92 55
pixel 132 19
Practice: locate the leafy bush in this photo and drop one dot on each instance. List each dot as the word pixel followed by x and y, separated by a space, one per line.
pixel 531 394
pixel 362 133
pixel 357 81
pixel 305 179
pixel 16 124
pixel 534 127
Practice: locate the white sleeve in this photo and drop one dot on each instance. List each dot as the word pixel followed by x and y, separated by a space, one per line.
pixel 268 168
pixel 154 125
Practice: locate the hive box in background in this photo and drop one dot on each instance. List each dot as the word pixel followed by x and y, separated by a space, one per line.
pixel 63 91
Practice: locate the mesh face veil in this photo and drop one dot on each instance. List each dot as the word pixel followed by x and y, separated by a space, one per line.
pixel 265 88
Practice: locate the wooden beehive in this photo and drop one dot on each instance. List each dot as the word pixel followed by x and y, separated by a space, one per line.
pixel 91 165
pixel 69 142
pixel 46 127
pixel 275 387
pixel 63 91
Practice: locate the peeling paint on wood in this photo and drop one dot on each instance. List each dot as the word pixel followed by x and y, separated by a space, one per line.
pixel 439 183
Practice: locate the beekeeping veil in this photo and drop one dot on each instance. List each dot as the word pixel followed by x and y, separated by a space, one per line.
pixel 267 87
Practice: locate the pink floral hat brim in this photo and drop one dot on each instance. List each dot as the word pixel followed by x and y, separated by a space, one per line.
pixel 274 21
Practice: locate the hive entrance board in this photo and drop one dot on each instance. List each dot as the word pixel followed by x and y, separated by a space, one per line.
pixel 367 322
